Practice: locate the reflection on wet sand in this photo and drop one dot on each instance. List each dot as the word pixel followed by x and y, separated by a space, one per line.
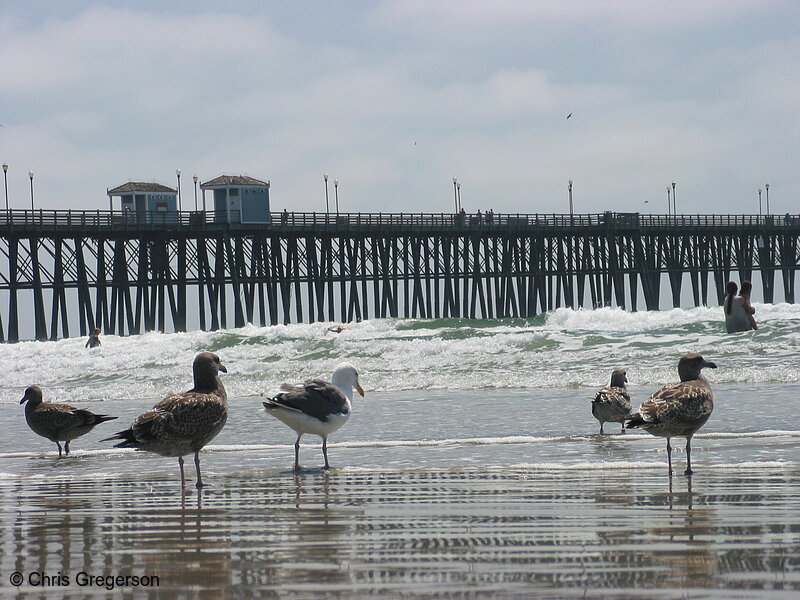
pixel 447 532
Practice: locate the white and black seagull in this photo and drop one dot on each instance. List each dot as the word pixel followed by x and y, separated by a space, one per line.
pixel 316 406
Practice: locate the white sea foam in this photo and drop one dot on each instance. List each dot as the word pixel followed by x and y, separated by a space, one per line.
pixel 563 349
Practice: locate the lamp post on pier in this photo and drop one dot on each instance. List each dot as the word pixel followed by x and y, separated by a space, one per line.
pixel 669 205
pixel 336 194
pixel 327 209
pixel 458 188
pixel 759 202
pixel 178 174
pixel 766 186
pixel 455 193
pixel 194 178
pixel 30 174
pixel 569 187
pixel 5 181
pixel 674 206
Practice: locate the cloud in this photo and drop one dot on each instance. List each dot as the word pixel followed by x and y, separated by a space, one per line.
pixel 400 97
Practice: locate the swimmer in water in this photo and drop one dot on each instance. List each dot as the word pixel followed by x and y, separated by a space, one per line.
pixel 94 339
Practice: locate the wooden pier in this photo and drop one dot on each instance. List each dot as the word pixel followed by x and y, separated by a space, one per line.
pixel 127 275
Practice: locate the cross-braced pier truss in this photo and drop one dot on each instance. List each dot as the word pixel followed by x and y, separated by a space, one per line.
pixel 89 270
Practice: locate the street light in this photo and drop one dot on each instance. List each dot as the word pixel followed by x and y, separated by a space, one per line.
pixel 194 178
pixel 5 180
pixel 674 206
pixel 759 201
pixel 30 174
pixel 669 205
pixel 766 185
pixel 458 188
pixel 455 192
pixel 336 193
pixel 327 210
pixel 569 187
pixel 178 173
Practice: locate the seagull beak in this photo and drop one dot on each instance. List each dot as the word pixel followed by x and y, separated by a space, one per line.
pixel 710 364
pixel 223 369
pixel 359 389
pixel 23 400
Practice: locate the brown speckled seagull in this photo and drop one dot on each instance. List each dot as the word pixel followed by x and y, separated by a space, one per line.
pixel 613 400
pixel 678 409
pixel 58 422
pixel 182 424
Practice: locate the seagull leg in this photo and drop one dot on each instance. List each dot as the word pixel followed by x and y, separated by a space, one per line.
pixel 325 452
pixel 66 447
pixel 297 453
pixel 688 470
pixel 180 464
pixel 601 428
pixel 199 483
pixel 669 457
pixel 59 449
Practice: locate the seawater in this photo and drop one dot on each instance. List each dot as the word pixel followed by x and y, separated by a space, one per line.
pixel 439 392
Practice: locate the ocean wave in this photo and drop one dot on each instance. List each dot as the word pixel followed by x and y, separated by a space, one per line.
pixel 564 349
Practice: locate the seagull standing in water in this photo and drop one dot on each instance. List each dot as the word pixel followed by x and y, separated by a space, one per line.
pixel 182 424
pixel 678 409
pixel 316 406
pixel 58 422
pixel 613 400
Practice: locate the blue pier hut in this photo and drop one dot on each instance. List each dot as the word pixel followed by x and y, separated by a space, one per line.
pixel 238 199
pixel 145 202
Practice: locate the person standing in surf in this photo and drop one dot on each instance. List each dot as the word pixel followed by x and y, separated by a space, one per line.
pixel 744 295
pixel 736 316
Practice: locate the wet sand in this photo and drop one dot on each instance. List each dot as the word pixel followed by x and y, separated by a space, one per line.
pixel 449 533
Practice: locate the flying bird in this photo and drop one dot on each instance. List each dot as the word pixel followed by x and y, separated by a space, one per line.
pixel 569 115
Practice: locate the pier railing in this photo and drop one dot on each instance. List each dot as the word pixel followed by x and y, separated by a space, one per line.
pixel 122 220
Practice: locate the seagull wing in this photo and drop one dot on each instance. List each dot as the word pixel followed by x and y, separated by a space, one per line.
pixel 315 397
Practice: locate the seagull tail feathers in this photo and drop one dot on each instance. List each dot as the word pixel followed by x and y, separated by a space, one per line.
pixel 634 420
pixel 127 437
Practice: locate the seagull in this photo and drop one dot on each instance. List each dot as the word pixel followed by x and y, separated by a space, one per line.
pixel 569 115
pixel 58 422
pixel 677 409
pixel 316 406
pixel 182 424
pixel 612 400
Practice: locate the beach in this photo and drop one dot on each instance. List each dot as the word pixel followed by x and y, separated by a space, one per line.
pixel 473 467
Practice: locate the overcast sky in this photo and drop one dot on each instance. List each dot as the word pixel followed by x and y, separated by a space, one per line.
pixel 394 99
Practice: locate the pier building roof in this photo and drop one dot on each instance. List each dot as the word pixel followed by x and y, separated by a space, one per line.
pixel 235 180
pixel 142 186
